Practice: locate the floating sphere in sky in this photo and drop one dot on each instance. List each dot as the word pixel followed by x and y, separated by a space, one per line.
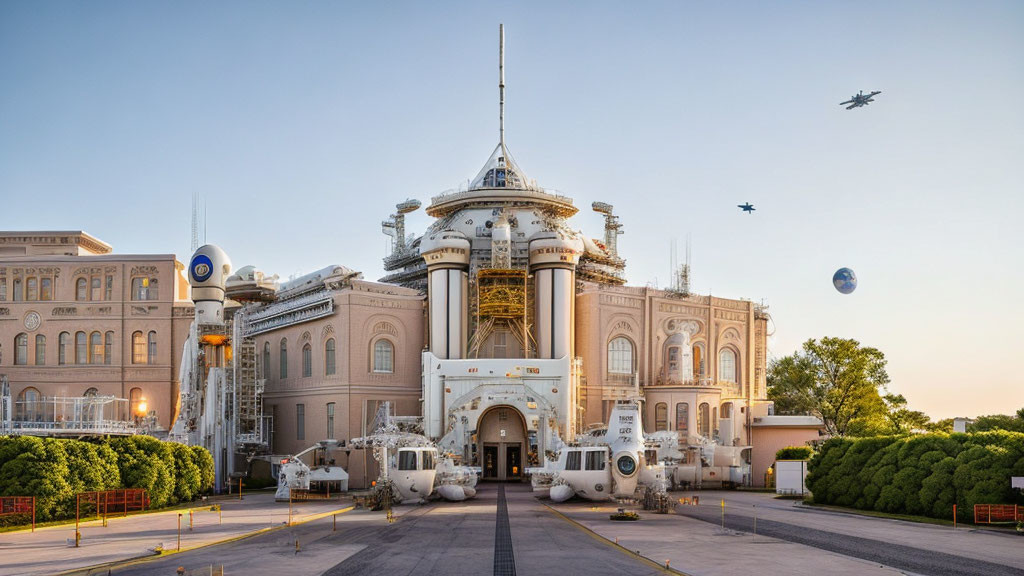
pixel 844 280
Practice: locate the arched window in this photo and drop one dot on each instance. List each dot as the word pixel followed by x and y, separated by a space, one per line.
pixel 704 419
pixel 32 288
pixel 307 361
pixel 620 356
pixel 91 392
pixel 714 420
pixel 726 411
pixel 21 349
pixel 97 288
pixel 151 348
pixel 95 348
pixel 40 350
pixel 683 417
pixel 81 349
pixel 145 289
pixel 46 289
pixel 138 348
pixel 29 406
pixel 330 420
pixel 330 365
pixel 383 356
pixel 81 289
pixel 136 405
pixel 108 347
pixel 727 365
pixel 63 343
pixel 698 362
pixel 266 360
pixel 660 416
pixel 284 358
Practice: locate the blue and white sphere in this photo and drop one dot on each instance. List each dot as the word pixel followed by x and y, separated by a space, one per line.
pixel 844 280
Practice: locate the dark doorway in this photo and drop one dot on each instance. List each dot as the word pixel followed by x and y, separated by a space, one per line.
pixel 513 461
pixel 491 461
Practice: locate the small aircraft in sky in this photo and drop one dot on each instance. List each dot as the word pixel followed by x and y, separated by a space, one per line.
pixel 748 207
pixel 860 99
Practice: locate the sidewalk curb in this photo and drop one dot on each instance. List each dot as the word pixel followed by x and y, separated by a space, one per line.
pixel 85 570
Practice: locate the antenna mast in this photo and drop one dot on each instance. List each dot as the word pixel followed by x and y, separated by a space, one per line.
pixel 195 223
pixel 501 89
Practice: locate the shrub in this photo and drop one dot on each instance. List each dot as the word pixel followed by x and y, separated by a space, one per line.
pixel 923 474
pixel 794 453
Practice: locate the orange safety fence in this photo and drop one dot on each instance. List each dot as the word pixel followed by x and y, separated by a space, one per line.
pixel 998 513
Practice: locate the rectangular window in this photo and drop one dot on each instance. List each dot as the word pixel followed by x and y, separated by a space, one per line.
pixel 500 345
pixel 46 289
pixel 97 285
pixel 572 460
pixel 300 421
pixel 407 460
pixel 3 289
pixel 109 290
pixel 428 460
pixel 17 290
pixel 32 289
pixel 330 420
pixel 595 460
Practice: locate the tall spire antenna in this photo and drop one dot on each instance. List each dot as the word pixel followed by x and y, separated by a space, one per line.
pixel 195 223
pixel 501 89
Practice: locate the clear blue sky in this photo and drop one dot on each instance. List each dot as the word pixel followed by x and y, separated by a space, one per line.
pixel 302 123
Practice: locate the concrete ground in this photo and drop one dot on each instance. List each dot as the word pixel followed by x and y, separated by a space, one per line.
pixel 51 550
pixel 507 530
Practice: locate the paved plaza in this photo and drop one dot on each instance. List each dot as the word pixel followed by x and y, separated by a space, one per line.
pixel 507 530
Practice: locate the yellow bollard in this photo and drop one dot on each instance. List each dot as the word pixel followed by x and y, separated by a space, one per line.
pixel 189 520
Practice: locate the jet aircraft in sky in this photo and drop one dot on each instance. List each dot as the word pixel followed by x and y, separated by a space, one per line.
pixel 860 99
pixel 748 207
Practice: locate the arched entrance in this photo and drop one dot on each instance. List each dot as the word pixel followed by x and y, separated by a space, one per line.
pixel 501 443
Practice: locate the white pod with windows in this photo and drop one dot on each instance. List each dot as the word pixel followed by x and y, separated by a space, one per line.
pixel 447 257
pixel 207 272
pixel 553 260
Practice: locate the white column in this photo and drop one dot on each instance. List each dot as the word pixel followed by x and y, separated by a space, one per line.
pixel 561 311
pixel 542 279
pixel 438 293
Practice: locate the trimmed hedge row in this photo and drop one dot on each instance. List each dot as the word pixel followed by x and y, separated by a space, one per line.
pixel 924 474
pixel 54 470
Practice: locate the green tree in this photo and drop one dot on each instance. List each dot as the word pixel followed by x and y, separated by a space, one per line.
pixel 836 379
pixel 900 419
pixel 1013 423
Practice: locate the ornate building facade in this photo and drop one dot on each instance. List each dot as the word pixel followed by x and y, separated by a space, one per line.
pixel 77 320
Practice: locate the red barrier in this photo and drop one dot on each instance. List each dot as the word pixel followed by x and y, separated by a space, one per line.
pixel 17 506
pixel 998 514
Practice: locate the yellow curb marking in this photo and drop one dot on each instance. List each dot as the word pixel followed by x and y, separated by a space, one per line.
pixel 643 559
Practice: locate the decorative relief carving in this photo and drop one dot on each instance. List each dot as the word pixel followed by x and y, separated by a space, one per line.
pixel 143 270
pixel 64 311
pixel 681 326
pixel 32 321
pixel 306 337
pixel 733 304
pixel 381 303
pixel 682 309
pixel 732 316
pixel 385 328
pixel 5 311
pixel 140 311
pixel 328 330
pixel 181 311
pixel 730 334
pixel 624 301
pixel 88 270
pixel 110 269
pixel 623 326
